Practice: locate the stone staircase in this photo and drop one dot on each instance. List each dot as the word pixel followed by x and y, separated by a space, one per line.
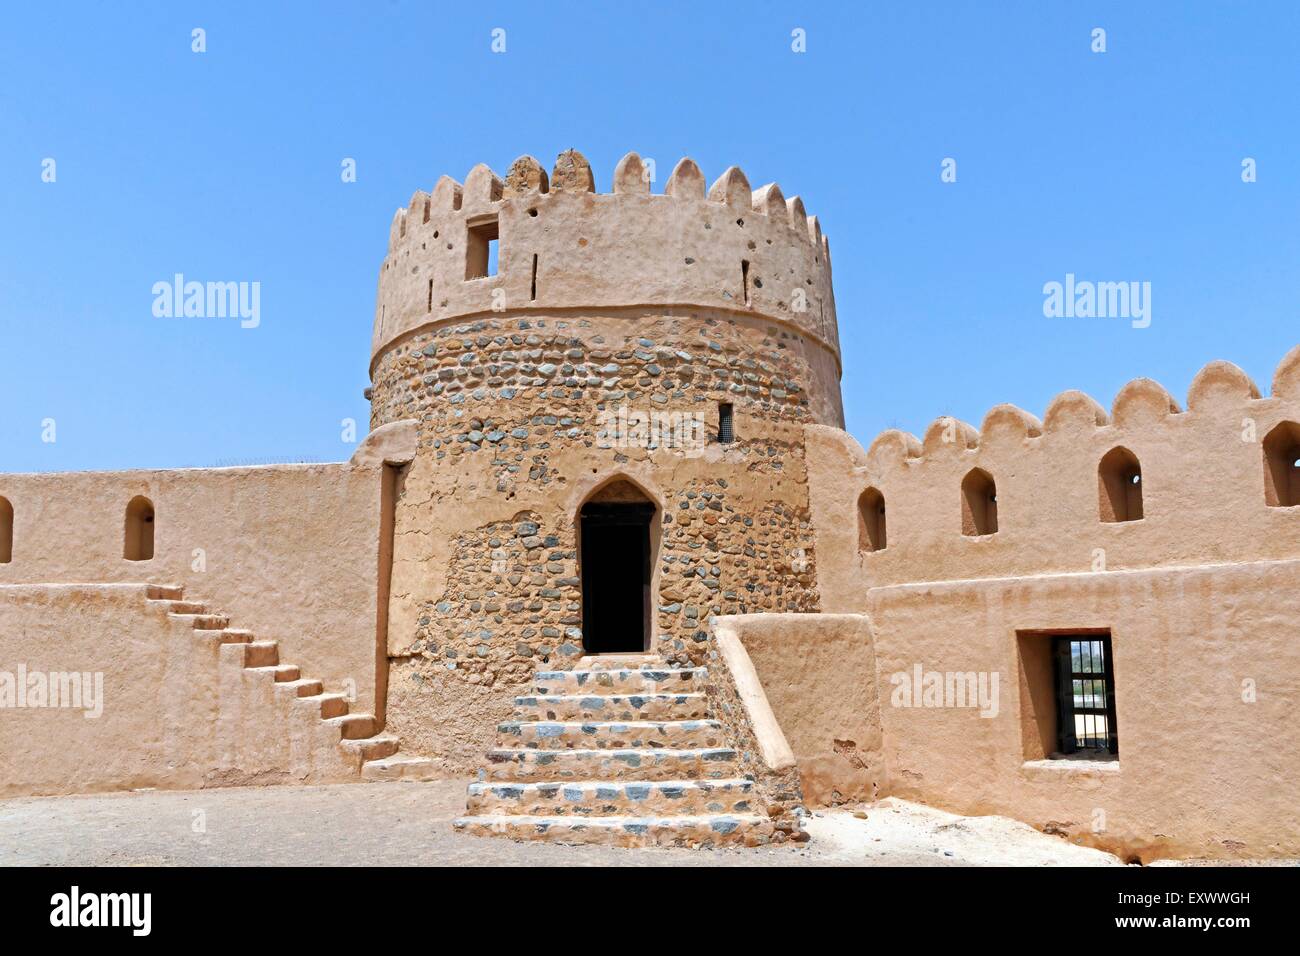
pixel 359 734
pixel 619 752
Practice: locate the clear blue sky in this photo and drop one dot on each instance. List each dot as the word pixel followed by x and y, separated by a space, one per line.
pixel 226 166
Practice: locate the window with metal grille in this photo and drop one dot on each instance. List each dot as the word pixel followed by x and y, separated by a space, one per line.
pixel 1085 693
pixel 726 424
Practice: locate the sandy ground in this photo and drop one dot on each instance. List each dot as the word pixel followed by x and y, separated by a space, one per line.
pixel 336 826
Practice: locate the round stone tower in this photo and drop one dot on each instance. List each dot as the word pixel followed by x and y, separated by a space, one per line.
pixel 611 390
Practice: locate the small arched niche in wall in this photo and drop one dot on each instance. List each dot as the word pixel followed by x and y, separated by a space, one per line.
pixel 979 504
pixel 1119 486
pixel 871 521
pixel 6 531
pixel 1282 466
pixel 138 539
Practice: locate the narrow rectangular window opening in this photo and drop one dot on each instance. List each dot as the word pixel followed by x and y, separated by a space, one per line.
pixel 726 424
pixel 6 531
pixel 532 291
pixel 429 305
pixel 139 536
pixel 744 278
pixel 1085 696
pixel 481 248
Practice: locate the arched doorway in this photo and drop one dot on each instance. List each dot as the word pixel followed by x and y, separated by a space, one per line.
pixel 614 541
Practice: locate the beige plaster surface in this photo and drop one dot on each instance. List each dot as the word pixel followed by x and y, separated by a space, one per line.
pixel 1201 771
pixel 178 709
pixel 1205 660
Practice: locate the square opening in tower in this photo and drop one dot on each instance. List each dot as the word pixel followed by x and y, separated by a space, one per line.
pixel 481 248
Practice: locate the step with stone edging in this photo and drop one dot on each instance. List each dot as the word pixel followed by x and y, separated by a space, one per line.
pixel 713 763
pixel 612 735
pixel 624 682
pixel 681 831
pixel 401 767
pixel 612 707
pixel 612 798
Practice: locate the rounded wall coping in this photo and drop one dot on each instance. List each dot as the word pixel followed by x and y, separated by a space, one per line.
pixel 1286 380
pixel 392 444
pixel 1220 378
pixel 1141 401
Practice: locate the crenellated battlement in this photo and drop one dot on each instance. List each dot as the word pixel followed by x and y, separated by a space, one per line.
pixel 561 246
pixel 1147 484
pixel 1141 403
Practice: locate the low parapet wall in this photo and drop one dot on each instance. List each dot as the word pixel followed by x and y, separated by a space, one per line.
pixel 1204 494
pixel 808 685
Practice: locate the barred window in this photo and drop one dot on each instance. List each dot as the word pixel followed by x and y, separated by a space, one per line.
pixel 1085 689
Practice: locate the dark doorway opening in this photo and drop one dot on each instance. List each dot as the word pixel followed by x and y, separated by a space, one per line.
pixel 615 542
